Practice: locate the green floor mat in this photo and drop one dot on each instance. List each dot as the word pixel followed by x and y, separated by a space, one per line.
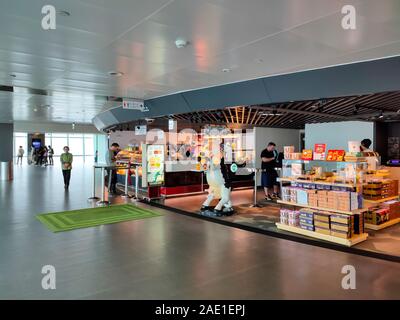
pixel 84 218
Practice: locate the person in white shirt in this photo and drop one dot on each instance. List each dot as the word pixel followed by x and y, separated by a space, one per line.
pixel 20 155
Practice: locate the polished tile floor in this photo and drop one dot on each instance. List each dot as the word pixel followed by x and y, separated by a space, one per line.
pixel 168 257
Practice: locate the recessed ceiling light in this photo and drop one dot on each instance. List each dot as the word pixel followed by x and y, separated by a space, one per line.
pixel 226 70
pixel 12 75
pixel 63 13
pixel 115 73
pixel 259 60
pixel 35 109
pixel 181 43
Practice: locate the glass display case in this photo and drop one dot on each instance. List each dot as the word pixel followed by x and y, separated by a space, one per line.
pixel 346 173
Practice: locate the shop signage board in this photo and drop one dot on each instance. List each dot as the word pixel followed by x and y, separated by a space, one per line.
pixel 155 164
pixel 141 130
pixel 130 104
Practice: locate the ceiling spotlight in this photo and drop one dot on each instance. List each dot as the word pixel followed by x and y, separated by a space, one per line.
pixel 225 70
pixel 35 109
pixel 63 13
pixel 115 73
pixel 181 43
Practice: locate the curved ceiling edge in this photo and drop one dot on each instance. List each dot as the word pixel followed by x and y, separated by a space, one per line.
pixel 350 79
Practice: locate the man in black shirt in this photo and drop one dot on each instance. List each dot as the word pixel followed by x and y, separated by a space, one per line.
pixel 269 174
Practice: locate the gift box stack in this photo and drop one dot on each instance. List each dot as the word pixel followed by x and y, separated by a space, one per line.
pixel 322 222
pixel 394 208
pixel 294 218
pixel 306 219
pixel 286 194
pixel 377 215
pixel 290 217
pixel 312 198
pixel 322 198
pixel 376 190
pixel 342 225
pixel 284 216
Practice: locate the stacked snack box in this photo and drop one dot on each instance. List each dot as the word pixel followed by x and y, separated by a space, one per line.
pixel 284 217
pixel 302 196
pixel 322 222
pixel 394 208
pixel 286 194
pixel 294 218
pixel 381 189
pixel 312 198
pixel 293 195
pixel 306 217
pixel 342 225
pixel 322 198
pixel 377 215
pixel 290 217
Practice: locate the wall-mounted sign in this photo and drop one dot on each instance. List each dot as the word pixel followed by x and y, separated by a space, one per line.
pixel 141 130
pixel 134 105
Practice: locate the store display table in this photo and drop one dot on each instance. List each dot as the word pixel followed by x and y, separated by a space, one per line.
pixel 346 242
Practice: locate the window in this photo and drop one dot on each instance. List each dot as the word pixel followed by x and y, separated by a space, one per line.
pixel 76 146
pixel 58 144
pixel 89 145
pixel 80 144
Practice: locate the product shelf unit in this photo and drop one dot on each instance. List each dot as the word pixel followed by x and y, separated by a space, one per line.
pixel 345 185
pixel 383 225
pixel 309 174
pixel 358 211
pixel 346 242
pixel 372 202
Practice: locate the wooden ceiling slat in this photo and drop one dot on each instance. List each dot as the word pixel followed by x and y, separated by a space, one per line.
pixel 255 114
pixel 237 115
pixel 231 115
pixel 226 117
pixel 249 115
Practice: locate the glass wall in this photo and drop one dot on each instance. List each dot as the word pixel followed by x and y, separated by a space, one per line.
pixel 80 144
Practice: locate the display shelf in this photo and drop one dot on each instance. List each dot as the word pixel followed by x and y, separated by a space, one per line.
pixel 383 225
pixel 381 200
pixel 346 242
pixel 347 185
pixel 358 211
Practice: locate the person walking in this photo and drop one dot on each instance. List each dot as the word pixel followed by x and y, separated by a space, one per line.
pixel 66 159
pixel 45 156
pixel 50 155
pixel 112 173
pixel 20 155
pixel 269 175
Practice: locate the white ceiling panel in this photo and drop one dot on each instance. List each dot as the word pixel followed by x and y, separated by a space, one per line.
pixel 253 38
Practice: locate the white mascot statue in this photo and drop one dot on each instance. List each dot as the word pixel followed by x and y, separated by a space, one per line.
pixel 219 185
